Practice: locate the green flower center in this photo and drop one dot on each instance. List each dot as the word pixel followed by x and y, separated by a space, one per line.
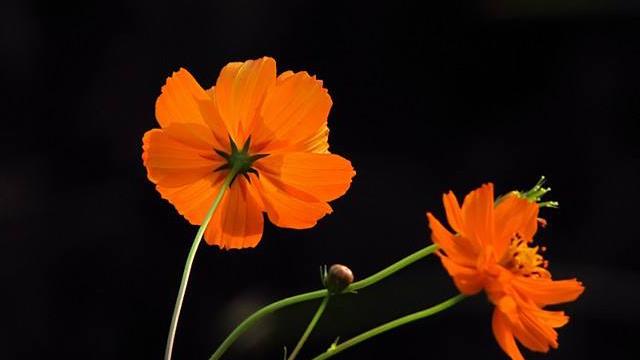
pixel 239 160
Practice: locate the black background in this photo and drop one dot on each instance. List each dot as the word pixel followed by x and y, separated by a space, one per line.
pixel 425 100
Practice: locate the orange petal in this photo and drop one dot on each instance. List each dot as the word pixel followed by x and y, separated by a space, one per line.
pixel 453 246
pixel 534 333
pixel 504 335
pixel 239 92
pixel 440 235
pixel 284 76
pixel 324 177
pixel 454 214
pixel 287 209
pixel 171 163
pixel 294 115
pixel 190 111
pixel 554 319
pixel 513 314
pixel 193 200
pixel 468 280
pixel 238 222
pixel 543 291
pixel 531 325
pixel 316 143
pixel 513 215
pixel 477 215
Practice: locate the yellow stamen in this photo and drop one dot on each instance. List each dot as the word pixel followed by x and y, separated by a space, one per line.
pixel 524 260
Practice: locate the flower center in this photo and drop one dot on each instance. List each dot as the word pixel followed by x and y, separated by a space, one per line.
pixel 239 160
pixel 524 260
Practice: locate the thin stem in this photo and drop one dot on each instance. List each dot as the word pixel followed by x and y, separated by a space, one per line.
pixel 253 318
pixel 392 269
pixel 310 327
pixel 190 257
pixel 390 325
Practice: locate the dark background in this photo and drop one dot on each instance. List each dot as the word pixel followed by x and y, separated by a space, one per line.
pixel 425 100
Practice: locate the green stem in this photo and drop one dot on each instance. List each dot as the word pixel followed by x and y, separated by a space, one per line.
pixel 187 267
pixel 392 269
pixel 310 327
pixel 390 325
pixel 253 318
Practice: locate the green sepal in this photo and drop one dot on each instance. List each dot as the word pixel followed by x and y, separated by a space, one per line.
pixel 239 159
pixel 247 144
pixel 225 155
pixel 535 194
pixel 234 147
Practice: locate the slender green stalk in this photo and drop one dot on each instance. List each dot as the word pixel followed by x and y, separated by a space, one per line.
pixel 392 269
pixel 310 327
pixel 253 318
pixel 190 257
pixel 334 350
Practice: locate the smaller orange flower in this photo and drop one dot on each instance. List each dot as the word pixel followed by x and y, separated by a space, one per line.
pixel 491 250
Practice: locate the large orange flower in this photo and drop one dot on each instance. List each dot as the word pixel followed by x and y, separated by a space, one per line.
pixel 275 125
pixel 491 249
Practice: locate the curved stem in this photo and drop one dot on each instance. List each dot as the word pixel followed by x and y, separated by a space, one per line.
pixel 392 269
pixel 310 327
pixel 248 322
pixel 390 325
pixel 190 257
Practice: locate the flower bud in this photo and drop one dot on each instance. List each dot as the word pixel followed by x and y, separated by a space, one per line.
pixel 338 278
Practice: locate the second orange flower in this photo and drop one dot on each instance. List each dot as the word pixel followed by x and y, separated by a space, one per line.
pixel 491 249
pixel 275 125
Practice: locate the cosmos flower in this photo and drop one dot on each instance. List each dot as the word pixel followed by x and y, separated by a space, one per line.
pixel 273 129
pixel 491 249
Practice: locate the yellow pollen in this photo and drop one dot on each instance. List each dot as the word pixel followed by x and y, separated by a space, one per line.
pixel 524 260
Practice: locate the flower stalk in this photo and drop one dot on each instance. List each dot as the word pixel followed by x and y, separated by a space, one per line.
pixel 334 350
pixel 310 327
pixel 190 257
pixel 271 308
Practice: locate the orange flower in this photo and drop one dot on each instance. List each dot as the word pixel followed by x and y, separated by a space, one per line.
pixel 280 124
pixel 491 250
